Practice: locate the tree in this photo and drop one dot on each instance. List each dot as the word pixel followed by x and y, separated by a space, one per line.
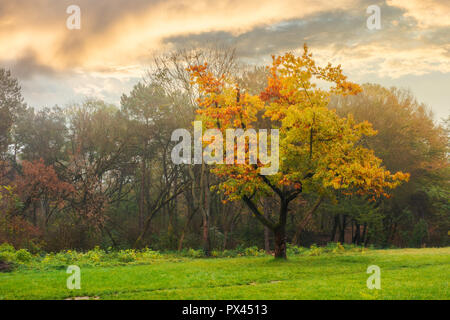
pixel 407 139
pixel 97 159
pixel 318 149
pixel 40 187
pixel 173 75
pixel 11 104
pixel 14 228
pixel 364 217
pixel 42 135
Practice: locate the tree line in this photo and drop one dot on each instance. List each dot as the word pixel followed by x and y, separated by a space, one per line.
pixel 359 164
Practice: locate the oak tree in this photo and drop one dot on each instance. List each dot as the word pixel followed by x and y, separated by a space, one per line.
pixel 318 149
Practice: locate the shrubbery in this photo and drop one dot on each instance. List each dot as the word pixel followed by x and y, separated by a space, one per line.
pixel 100 257
pixel 330 248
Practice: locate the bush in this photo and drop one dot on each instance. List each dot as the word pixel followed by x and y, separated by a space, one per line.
pixel 10 258
pixel 126 255
pixel 315 250
pixel 295 250
pixel 6 247
pixel 150 254
pixel 7 258
pixel 192 253
pixel 254 252
pixel 334 247
pixel 23 255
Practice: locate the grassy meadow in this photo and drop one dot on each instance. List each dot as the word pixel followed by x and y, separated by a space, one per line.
pixel 314 273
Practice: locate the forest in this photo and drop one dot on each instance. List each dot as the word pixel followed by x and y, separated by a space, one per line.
pixel 360 163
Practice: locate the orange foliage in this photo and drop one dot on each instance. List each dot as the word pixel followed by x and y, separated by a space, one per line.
pixel 318 149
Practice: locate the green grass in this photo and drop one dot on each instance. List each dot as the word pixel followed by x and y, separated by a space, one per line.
pixel 405 274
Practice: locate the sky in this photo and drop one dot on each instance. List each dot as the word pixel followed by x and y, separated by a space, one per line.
pixel 117 39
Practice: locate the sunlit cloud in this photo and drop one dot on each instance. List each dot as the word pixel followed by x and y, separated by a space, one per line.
pixel 428 13
pixel 382 61
pixel 116 42
pixel 135 32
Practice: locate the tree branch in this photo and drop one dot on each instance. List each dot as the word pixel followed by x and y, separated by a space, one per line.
pixel 265 221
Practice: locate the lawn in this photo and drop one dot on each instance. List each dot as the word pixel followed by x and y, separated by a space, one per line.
pixel 405 274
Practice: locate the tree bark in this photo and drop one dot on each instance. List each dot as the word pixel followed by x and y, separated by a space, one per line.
pixel 266 229
pixel 280 242
pixel 191 212
pixel 279 229
pixel 335 225
pixel 142 197
pixel 364 234
pixel 266 239
pixel 206 214
pixel 206 242
pixel 357 236
pixel 225 240
pixel 280 232
pixel 342 229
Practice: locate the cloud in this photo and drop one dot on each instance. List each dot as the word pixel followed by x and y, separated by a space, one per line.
pixel 398 49
pixel 382 61
pixel 116 33
pixel 27 65
pixel 46 90
pixel 429 13
pixel 117 39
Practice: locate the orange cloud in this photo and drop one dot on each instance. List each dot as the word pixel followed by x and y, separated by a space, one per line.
pixel 429 13
pixel 130 36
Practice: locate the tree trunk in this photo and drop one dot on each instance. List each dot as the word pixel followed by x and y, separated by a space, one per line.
pixel 186 224
pixel 279 229
pixel 206 242
pixel 342 229
pixel 335 225
pixel 266 239
pixel 142 197
pixel 266 229
pixel 364 234
pixel 206 215
pixel 280 232
pixel 191 212
pixel 280 242
pixel 225 239
pixel 357 237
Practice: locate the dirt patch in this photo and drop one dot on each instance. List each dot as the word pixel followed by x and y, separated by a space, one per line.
pixel 83 298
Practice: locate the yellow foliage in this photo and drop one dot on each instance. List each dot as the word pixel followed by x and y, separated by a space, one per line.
pixel 318 149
